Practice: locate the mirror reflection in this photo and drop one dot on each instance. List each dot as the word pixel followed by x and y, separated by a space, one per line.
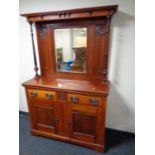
pixel 70 49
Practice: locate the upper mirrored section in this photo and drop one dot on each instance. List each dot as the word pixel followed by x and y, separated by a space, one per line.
pixel 70 49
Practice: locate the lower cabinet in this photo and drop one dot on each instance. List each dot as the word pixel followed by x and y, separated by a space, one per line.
pixel 76 118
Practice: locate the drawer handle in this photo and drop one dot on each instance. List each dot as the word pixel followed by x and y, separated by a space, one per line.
pixel 93 101
pixel 33 93
pixel 74 99
pixel 49 96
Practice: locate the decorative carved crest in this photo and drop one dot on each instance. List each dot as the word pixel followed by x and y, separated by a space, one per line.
pixel 43 31
pixel 64 14
pixel 102 29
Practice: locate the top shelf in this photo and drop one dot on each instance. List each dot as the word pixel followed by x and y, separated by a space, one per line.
pixel 72 14
pixel 94 87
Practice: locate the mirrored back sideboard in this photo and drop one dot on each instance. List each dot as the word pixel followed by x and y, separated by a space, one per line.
pixel 67 100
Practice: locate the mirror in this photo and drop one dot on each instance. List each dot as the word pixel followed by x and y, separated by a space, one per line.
pixel 70 49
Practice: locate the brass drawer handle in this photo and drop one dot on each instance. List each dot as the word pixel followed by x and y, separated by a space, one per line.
pixel 49 96
pixel 33 93
pixel 93 101
pixel 74 99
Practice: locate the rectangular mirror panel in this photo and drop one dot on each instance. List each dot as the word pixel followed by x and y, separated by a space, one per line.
pixel 70 49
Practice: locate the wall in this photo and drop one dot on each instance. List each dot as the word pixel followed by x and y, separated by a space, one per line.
pixel 63 39
pixel 121 108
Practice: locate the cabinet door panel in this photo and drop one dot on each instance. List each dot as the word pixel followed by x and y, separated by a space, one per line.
pixel 44 118
pixel 84 123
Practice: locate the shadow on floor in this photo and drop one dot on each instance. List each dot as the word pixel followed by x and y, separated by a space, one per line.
pixel 114 138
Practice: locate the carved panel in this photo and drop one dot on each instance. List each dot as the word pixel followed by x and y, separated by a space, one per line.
pixel 43 31
pixel 102 29
pixel 45 116
pixel 62 96
pixel 84 124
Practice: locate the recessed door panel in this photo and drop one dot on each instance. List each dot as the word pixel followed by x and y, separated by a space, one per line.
pixel 83 126
pixel 44 118
pixel 84 123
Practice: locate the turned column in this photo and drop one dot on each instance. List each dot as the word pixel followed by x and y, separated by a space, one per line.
pixel 34 52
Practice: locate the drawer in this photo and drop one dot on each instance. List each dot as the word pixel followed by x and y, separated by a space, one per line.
pixel 84 99
pixel 35 94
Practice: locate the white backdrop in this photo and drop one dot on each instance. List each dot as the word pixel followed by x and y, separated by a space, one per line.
pixel 121 101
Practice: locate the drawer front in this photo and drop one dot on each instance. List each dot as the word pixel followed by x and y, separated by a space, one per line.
pixel 84 99
pixel 35 94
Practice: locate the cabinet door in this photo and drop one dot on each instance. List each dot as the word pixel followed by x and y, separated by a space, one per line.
pixel 44 117
pixel 83 122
